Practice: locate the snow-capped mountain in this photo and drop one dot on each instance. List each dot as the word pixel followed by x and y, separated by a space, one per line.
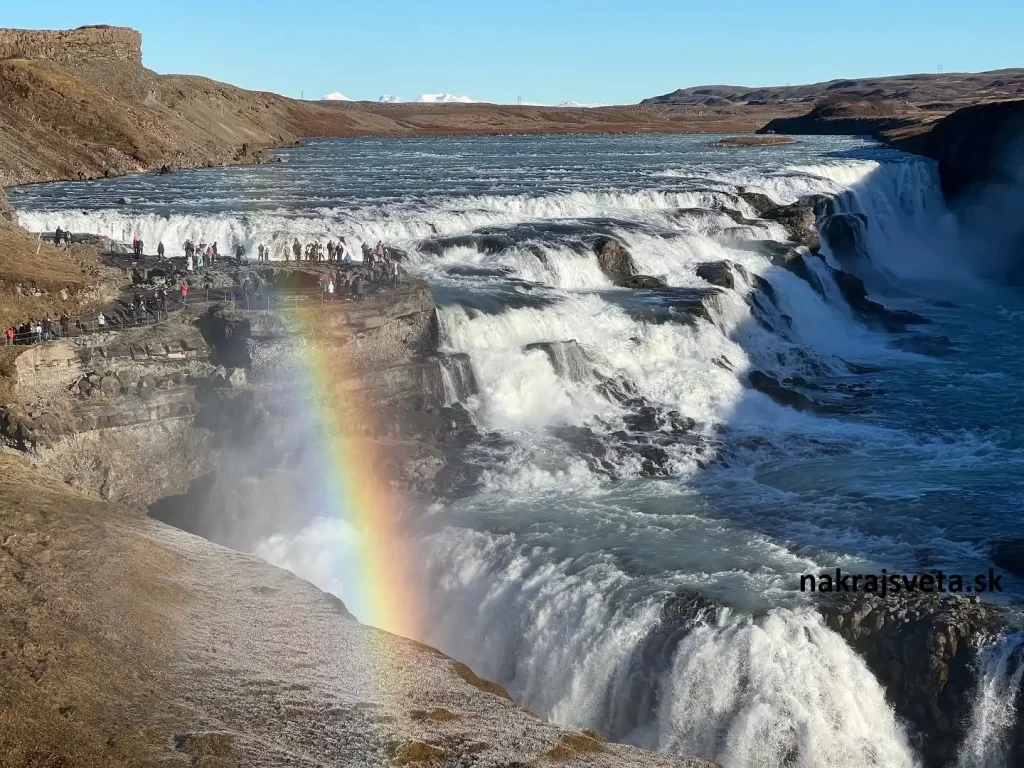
pixel 444 98
pixel 336 96
pixel 389 99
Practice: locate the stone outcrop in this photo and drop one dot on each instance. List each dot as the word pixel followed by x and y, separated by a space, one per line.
pixel 975 147
pixel 921 649
pixel 798 220
pixel 223 393
pixel 85 45
pixel 617 264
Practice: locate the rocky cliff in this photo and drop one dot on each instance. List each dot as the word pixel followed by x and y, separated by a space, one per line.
pixel 219 392
pixel 978 146
pixel 126 643
pixel 85 45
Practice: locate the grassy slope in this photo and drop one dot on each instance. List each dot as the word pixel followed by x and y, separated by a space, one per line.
pixel 28 265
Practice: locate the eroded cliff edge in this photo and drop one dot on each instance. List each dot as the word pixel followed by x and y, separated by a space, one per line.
pixel 129 643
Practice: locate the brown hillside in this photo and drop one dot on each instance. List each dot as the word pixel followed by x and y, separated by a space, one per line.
pixel 79 103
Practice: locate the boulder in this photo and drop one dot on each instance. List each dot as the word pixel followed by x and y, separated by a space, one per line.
pixel 822 205
pixel 128 378
pixel 615 261
pixel 798 221
pixel 717 273
pixel 780 393
pixel 644 282
pixel 758 201
pixel 110 386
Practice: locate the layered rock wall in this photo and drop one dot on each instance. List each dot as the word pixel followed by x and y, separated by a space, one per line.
pixel 85 45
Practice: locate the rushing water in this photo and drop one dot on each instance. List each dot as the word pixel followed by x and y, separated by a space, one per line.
pixel 550 578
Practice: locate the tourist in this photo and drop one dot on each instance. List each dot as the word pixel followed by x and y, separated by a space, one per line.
pixel 188 263
pixel 58 236
pixel 213 254
pixel 260 252
pixel 184 291
pixel 297 249
pixel 67 238
pixel 10 336
pixel 380 250
pixel 210 253
pixel 240 253
pixel 160 249
pixel 199 260
pixel 330 250
pixel 394 273
pixel 101 322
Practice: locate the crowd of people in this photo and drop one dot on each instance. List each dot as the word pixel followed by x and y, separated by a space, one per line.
pixel 34 331
pixel 379 269
pixel 196 256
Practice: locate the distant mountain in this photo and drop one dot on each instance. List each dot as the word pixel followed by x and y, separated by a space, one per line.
pixel 928 92
pixel 388 99
pixel 444 98
pixel 336 96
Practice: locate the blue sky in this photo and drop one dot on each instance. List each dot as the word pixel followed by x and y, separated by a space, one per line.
pixel 547 51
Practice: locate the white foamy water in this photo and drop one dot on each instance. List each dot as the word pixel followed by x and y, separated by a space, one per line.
pixel 551 575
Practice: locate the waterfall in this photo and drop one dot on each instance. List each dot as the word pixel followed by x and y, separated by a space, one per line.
pixel 995 710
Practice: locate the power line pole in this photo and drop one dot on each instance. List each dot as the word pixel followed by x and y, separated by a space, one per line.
pixel 940 69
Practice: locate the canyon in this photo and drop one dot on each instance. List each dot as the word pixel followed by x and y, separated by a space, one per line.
pixel 133 642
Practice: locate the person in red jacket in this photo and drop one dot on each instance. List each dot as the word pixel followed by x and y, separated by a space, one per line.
pixel 184 291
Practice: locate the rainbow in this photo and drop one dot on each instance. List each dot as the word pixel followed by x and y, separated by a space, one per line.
pixel 377 570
